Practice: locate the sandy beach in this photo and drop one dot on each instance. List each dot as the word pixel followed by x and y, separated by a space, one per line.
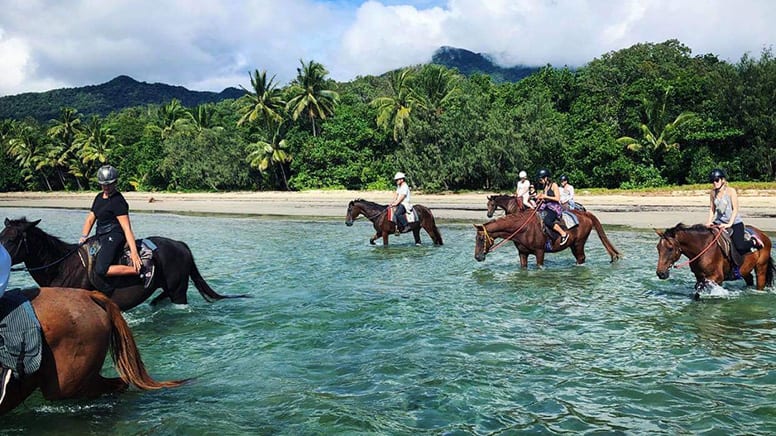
pixel 635 210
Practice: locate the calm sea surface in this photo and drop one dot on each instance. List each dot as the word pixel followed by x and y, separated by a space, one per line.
pixel 342 337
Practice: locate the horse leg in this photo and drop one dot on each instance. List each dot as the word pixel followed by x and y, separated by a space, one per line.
pixel 540 258
pixel 578 250
pixel 416 235
pixel 523 256
pixel 374 238
pixel 385 238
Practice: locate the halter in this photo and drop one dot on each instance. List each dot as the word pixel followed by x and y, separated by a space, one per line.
pixel 711 244
pixel 525 223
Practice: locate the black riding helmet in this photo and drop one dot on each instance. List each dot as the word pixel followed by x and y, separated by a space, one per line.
pixel 563 178
pixel 542 173
pixel 715 174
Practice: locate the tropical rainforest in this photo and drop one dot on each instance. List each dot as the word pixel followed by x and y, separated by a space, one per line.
pixel 646 116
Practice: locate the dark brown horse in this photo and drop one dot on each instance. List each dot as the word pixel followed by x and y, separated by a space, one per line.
pixel 706 259
pixel 524 229
pixel 78 329
pixel 378 214
pixel 508 203
pixel 52 262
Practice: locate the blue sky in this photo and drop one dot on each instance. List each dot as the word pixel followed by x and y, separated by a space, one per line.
pixel 210 45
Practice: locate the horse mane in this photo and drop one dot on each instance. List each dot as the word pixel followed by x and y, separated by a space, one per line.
pixel 369 203
pixel 695 228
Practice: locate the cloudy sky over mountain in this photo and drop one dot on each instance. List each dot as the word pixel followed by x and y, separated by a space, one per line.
pixel 210 45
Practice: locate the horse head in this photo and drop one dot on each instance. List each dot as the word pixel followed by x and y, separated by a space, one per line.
pixel 482 242
pixel 14 238
pixel 668 252
pixel 349 217
pixel 491 206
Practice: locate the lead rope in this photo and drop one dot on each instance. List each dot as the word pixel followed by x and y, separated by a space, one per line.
pixel 711 244
pixel 508 238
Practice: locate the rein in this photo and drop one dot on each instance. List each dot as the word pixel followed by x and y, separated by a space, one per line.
pixel 711 244
pixel 508 238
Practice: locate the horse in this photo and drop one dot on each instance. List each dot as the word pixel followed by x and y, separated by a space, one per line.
pixel 707 260
pixel 525 230
pixel 51 262
pixel 508 203
pixel 78 328
pixel 378 214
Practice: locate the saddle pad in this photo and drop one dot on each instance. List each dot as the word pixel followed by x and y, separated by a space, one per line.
pixel 21 341
pixel 145 248
pixel 570 219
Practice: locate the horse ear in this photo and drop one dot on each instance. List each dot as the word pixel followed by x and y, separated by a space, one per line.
pixel 477 226
pixel 7 221
pixel 659 232
pixel 33 224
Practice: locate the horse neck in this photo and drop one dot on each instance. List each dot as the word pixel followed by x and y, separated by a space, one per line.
pixel 44 248
pixel 371 210
pixel 692 242
pixel 504 202
pixel 504 226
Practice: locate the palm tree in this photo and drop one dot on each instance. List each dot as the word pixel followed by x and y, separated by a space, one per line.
pixel 26 148
pixel 309 95
pixel 63 134
pixel 657 122
pixel 202 116
pixel 173 115
pixel 271 152
pixel 264 103
pixel 95 145
pixel 393 112
pixel 433 86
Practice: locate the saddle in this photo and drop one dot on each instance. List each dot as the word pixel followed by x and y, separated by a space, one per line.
pixel 725 244
pixel 21 338
pixel 145 248
pixel 411 216
pixel 567 220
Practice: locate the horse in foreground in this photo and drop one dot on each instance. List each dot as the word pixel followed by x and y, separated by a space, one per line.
pixel 52 262
pixel 525 230
pixel 378 214
pixel 705 248
pixel 78 328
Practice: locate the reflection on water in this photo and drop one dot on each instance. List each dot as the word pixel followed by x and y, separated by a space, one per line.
pixel 341 336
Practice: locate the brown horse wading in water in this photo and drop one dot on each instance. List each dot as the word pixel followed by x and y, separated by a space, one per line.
pixel 525 230
pixel 378 214
pixel 79 327
pixel 52 262
pixel 703 247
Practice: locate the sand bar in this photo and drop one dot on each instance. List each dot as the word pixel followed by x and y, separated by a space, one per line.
pixel 635 210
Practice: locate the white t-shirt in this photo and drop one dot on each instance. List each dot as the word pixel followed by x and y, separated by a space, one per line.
pixel 523 186
pixel 566 194
pixel 404 189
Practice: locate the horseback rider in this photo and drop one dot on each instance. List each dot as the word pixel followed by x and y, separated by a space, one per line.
pixel 723 212
pixel 5 275
pixel 550 196
pixel 111 212
pixel 401 200
pixel 523 192
pixel 566 193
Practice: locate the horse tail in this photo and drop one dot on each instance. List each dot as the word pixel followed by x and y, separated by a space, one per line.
pixel 770 272
pixel 613 253
pixel 436 236
pixel 204 289
pixel 124 350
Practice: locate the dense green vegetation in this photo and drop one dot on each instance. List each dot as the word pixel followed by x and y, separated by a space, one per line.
pixel 649 115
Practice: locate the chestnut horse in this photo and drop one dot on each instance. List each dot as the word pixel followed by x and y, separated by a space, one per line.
pixel 378 214
pixel 78 328
pixel 706 259
pixel 52 262
pixel 525 230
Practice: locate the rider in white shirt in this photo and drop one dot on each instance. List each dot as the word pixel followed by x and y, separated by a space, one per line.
pixel 524 190
pixel 566 194
pixel 401 200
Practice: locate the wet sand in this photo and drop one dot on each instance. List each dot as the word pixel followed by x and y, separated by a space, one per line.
pixel 634 210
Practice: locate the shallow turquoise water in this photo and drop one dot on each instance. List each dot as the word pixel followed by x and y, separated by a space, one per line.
pixel 343 337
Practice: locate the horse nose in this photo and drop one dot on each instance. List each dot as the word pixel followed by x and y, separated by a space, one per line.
pixel 348 223
pixel 479 257
pixel 490 214
pixel 662 275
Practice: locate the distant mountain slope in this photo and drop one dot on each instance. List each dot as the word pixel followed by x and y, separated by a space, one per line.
pixel 119 93
pixel 468 63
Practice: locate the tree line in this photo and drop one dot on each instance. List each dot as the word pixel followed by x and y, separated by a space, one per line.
pixel 646 116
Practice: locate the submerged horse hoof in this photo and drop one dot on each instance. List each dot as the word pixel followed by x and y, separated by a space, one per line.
pixel 372 242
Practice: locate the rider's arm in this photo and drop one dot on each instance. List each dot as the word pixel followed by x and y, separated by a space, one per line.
pixel 87 228
pixel 130 237
pixel 398 198
pixel 712 209
pixel 555 192
pixel 734 203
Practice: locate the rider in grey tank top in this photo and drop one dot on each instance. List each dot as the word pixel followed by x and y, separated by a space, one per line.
pixel 723 207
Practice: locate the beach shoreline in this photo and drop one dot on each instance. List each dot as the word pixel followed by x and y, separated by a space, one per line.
pixel 640 211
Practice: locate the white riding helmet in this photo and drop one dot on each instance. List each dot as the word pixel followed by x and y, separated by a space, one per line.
pixel 399 175
pixel 523 174
pixel 5 269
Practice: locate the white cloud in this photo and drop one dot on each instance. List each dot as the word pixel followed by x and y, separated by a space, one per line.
pixel 210 45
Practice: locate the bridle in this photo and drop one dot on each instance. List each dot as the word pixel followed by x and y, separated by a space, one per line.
pixel 705 249
pixel 43 267
pixel 508 238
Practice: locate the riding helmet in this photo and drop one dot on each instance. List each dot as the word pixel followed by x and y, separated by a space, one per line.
pixel 563 178
pixel 716 173
pixel 399 175
pixel 522 174
pixel 107 175
pixel 542 173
